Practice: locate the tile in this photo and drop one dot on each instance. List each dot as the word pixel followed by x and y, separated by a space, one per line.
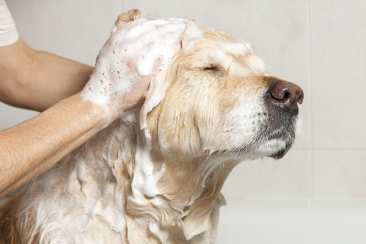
pixel 289 221
pixel 289 177
pixel 73 29
pixel 339 174
pixel 338 74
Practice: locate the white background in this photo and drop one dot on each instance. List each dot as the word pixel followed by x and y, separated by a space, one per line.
pixel 317 193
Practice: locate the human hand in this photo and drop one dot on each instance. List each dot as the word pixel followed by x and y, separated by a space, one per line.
pixel 129 59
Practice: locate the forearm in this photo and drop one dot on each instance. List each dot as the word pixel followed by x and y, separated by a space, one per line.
pixel 36 80
pixel 34 146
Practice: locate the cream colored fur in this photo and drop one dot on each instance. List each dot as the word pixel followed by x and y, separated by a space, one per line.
pixel 155 175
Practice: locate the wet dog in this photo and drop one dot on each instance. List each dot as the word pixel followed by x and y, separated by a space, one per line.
pixel 155 175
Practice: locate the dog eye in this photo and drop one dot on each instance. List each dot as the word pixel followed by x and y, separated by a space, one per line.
pixel 212 67
pixel 214 70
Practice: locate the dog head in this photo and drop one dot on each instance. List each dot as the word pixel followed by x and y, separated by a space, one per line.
pixel 216 98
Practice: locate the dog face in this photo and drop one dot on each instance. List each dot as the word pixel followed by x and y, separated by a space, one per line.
pixel 219 100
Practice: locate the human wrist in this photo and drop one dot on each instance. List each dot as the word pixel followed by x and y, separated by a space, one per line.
pixel 96 116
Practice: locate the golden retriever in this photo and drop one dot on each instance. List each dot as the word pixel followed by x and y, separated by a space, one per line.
pixel 155 175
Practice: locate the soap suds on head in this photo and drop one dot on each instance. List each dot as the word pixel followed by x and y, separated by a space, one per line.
pixel 142 40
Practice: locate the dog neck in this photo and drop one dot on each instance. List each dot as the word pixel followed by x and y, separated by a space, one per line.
pixel 171 198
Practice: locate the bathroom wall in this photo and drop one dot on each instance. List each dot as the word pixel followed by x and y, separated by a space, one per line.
pixel 318 44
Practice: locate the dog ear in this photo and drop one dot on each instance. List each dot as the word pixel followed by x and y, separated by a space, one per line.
pixel 156 93
pixel 124 18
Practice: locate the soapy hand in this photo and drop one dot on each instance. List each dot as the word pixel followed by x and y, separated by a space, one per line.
pixel 129 59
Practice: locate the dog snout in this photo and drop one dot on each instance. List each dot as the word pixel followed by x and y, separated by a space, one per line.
pixel 285 95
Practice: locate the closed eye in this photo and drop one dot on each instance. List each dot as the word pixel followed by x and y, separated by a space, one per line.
pixel 213 68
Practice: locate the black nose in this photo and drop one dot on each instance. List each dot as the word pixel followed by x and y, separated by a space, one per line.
pixel 285 95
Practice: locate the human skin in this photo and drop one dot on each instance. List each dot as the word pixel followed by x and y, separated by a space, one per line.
pixel 37 80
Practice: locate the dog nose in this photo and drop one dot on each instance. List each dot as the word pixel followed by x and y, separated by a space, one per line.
pixel 286 95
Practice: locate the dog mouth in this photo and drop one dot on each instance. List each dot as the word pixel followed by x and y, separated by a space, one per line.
pixel 282 152
pixel 276 135
pixel 273 137
pixel 285 136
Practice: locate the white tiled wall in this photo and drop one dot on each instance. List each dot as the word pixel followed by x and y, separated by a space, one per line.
pixel 318 44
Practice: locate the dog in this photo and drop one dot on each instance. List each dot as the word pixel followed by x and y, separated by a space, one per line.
pixel 155 175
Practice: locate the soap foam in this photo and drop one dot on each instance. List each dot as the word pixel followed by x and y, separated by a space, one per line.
pixel 142 40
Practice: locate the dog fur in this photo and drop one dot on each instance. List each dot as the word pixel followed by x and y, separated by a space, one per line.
pixel 155 175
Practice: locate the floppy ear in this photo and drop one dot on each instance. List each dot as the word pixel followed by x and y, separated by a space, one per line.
pixel 156 93
pixel 124 18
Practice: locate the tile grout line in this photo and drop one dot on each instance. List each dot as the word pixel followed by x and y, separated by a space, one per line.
pixel 311 156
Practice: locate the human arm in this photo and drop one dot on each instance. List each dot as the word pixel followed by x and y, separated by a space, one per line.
pixel 32 147
pixel 37 80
